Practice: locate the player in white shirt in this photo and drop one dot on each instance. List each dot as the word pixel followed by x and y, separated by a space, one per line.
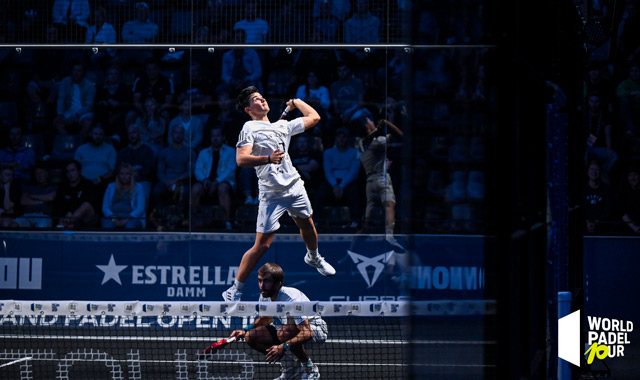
pixel 275 336
pixel 264 145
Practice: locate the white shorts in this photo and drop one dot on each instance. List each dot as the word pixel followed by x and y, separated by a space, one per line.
pixel 273 204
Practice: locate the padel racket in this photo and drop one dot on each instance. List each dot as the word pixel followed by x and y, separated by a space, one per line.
pixel 217 345
pixel 284 113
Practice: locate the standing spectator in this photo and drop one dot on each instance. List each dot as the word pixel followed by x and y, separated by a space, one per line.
pixel 215 175
pixel 19 157
pixel 75 200
pixel 154 84
pixel 628 92
pixel 141 30
pixel 71 18
pixel 98 159
pixel 241 67
pixel 113 105
pixel 76 96
pixel 101 32
pixel 341 164
pixel 256 29
pixel 141 157
pixel 124 204
pixel 363 27
pixel 10 194
pixel 599 135
pixel 598 207
pixel 152 125
pixel 37 200
pixel 347 95
pixel 373 154
pixel 193 126
pixel 631 200
pixel 175 167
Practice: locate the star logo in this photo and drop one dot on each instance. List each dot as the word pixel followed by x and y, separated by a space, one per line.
pixel 377 262
pixel 111 271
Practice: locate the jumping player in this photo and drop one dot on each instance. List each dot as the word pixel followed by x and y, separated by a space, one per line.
pixel 264 145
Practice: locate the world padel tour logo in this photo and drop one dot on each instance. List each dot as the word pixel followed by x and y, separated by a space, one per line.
pixel 606 337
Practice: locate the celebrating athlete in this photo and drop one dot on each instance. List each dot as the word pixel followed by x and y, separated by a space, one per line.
pixel 277 338
pixel 264 145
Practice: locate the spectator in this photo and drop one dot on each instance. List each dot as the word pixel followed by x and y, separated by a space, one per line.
pixel 288 25
pixel 628 38
pixel 113 105
pixel 19 157
pixel 141 30
pixel 241 67
pixel 599 199
pixel 10 194
pixel 599 135
pixel 256 29
pixel 628 92
pixel 76 96
pixel 363 27
pixel 314 93
pixel 101 32
pixel 154 84
pixel 598 79
pixel 215 174
pixel 192 126
pixel 37 200
pixel 98 160
pixel 307 163
pixel 340 9
pixel 200 91
pixel 327 23
pixel 373 154
pixel 141 157
pixel 631 200
pixel 226 117
pixel 347 95
pixel 75 200
pixel 152 125
pixel 124 203
pixel 71 18
pixel 341 164
pixel 175 167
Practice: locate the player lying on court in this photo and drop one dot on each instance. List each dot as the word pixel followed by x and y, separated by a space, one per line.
pixel 264 145
pixel 280 339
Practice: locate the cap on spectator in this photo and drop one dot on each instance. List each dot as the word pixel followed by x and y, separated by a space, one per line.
pixel 343 130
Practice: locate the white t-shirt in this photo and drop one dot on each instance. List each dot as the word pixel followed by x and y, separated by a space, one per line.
pixel 266 137
pixel 289 294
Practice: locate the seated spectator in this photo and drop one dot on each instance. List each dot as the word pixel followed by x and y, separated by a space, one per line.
pixel 153 84
pixel 255 28
pixel 363 27
pixel 152 125
pixel 37 200
pixel 141 157
pixel 200 90
pixel 327 23
pixel 98 159
pixel 341 164
pixel 10 194
pixel 193 126
pixel 100 32
pixel 241 67
pixel 288 25
pixel 113 105
pixel 76 96
pixel 71 18
pixel 340 9
pixel 307 163
pixel 599 200
pixel 226 117
pixel 598 134
pixel 174 169
pixel 215 174
pixel 347 95
pixel 19 157
pixel 317 96
pixel 628 92
pixel 141 30
pixel 124 203
pixel 631 200
pixel 75 202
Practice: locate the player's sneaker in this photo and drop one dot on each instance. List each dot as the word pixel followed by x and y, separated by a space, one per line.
pixel 290 372
pixel 309 373
pixel 320 264
pixel 232 294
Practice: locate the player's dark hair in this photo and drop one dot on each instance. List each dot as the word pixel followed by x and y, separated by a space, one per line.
pixel 277 274
pixel 243 98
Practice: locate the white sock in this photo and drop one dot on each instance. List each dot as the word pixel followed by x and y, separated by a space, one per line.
pixel 313 253
pixel 239 285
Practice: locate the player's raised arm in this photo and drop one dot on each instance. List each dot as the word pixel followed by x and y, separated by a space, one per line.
pixel 309 115
pixel 244 158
